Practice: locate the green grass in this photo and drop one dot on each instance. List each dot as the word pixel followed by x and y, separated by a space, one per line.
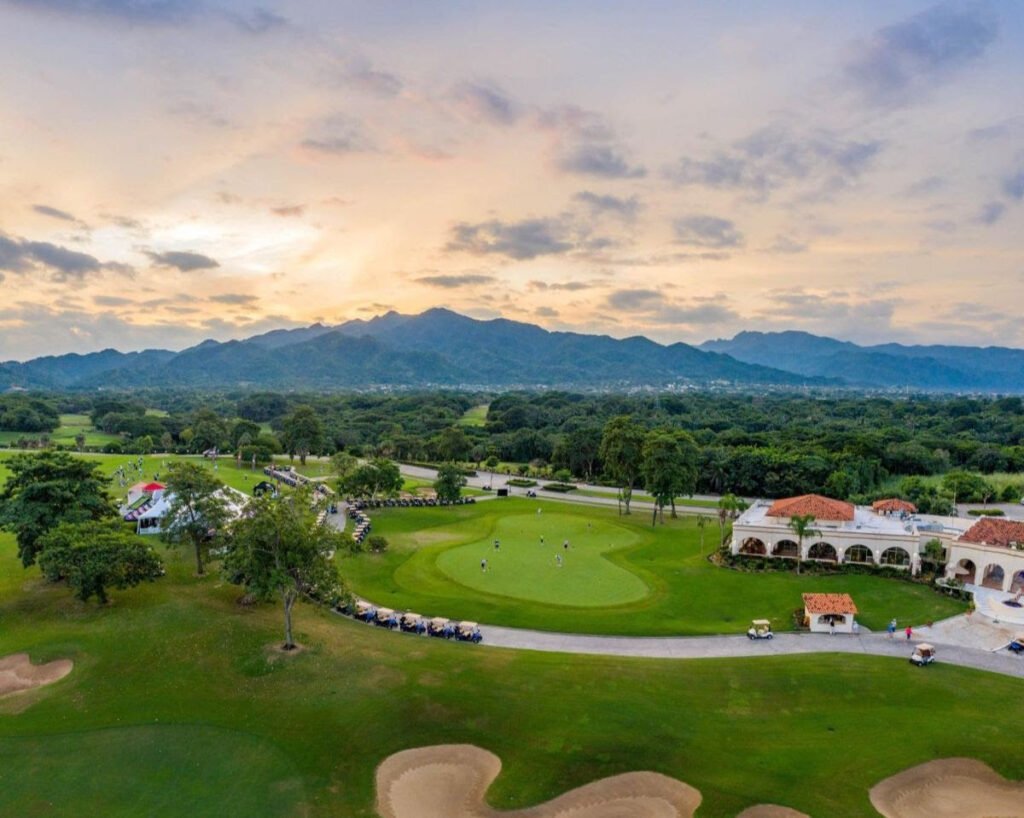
pixel 176 708
pixel 998 479
pixel 526 569
pixel 475 416
pixel 643 497
pixel 686 594
pixel 64 435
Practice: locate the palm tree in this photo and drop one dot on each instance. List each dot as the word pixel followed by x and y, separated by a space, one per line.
pixel 801 526
pixel 729 508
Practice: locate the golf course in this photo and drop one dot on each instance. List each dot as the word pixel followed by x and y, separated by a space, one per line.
pixel 619 575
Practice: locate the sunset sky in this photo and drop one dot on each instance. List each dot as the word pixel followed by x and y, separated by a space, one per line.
pixel 173 170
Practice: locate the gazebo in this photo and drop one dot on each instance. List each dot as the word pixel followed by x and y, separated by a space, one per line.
pixel 823 612
pixel 893 505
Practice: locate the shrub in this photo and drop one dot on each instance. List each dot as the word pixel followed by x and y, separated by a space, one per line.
pixel 522 483
pixel 986 512
pixel 563 488
pixel 376 544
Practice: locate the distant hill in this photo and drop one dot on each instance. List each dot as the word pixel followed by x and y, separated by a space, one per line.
pixel 435 348
pixel 886 366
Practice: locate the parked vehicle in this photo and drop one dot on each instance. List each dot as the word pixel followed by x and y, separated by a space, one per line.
pixel 469 632
pixel 760 629
pixel 439 626
pixel 413 623
pixel 1017 645
pixel 924 654
pixel 365 611
pixel 386 618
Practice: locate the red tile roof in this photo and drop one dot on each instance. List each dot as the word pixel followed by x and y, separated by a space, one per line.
pixel 829 604
pixel 821 508
pixel 153 487
pixel 991 531
pixel 894 504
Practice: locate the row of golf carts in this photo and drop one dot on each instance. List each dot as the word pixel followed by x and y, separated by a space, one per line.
pixel 410 622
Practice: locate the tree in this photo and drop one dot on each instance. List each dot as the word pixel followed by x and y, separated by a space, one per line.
pixel 622 453
pixel 303 432
pixel 702 523
pixel 452 444
pixel 80 441
pixel 47 489
pixel 934 553
pixel 669 468
pixel 379 476
pixel 492 464
pixel 801 525
pixel 449 483
pixel 96 555
pixel 729 507
pixel 198 510
pixel 281 549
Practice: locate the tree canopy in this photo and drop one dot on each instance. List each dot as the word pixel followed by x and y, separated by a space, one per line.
pixel 198 510
pixel 47 489
pixel 449 482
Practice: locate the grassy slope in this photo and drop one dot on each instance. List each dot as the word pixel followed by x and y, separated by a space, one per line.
pixel 688 595
pixel 174 709
pixel 475 416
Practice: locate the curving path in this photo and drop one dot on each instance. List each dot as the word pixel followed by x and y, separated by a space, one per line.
pixel 717 647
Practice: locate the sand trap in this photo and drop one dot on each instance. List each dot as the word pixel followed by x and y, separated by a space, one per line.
pixel 959 787
pixel 449 781
pixel 17 673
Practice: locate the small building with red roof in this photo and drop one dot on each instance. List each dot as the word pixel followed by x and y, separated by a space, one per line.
pixel 893 505
pixel 989 554
pixel 825 613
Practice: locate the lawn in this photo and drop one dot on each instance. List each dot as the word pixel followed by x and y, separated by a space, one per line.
pixel 64 435
pixel 433 566
pixel 177 708
pixel 475 416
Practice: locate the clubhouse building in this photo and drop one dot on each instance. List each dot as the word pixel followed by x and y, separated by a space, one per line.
pixel 986 552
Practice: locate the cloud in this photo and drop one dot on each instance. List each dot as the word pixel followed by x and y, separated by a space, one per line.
pixel 775 156
pixel 901 63
pixel 243 299
pixel 451 282
pixel 361 75
pixel 991 213
pixel 704 312
pixel 258 21
pixel 521 240
pixel 926 186
pixel 546 312
pixel 1013 185
pixel 786 245
pixel 288 210
pixel 707 231
pixel 183 260
pixel 605 161
pixel 487 103
pixel 53 212
pixel 111 301
pixel 568 286
pixel 136 12
pixel 18 255
pixel 604 203
pixel 339 135
pixel 633 299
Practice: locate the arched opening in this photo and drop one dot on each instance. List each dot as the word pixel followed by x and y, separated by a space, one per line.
pixel 822 551
pixel 786 548
pixel 860 554
pixel 993 577
pixel 753 546
pixel 966 571
pixel 898 557
pixel 1017 585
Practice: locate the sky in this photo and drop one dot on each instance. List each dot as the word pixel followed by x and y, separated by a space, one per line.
pixel 176 170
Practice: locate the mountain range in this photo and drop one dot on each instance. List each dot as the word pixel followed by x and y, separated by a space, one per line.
pixel 440 348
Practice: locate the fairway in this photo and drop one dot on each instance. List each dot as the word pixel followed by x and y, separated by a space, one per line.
pixel 525 568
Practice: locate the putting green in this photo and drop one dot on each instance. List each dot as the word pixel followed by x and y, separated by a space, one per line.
pixel 525 568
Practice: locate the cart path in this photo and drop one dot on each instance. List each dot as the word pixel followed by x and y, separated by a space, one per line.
pixel 717 647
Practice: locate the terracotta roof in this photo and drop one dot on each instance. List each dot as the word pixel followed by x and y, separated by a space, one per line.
pixel 992 531
pixel 829 604
pixel 153 487
pixel 821 508
pixel 894 504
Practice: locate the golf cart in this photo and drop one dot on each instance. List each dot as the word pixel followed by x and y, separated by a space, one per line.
pixel 924 654
pixel 386 618
pixel 413 623
pixel 439 626
pixel 365 611
pixel 468 632
pixel 1017 645
pixel 760 629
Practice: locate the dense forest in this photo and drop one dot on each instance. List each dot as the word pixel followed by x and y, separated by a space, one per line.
pixel 771 445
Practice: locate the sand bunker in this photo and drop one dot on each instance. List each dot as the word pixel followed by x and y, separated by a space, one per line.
pixel 959 787
pixel 17 673
pixel 449 781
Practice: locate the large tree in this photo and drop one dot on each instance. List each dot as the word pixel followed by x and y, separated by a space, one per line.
pixel 622 453
pixel 280 549
pixel 452 444
pixel 729 508
pixel 378 477
pixel 47 489
pixel 198 509
pixel 303 432
pixel 669 468
pixel 96 555
pixel 449 482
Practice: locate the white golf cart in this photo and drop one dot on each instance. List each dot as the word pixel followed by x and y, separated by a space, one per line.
pixel 760 629
pixel 924 654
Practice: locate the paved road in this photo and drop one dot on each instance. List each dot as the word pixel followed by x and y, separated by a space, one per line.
pixel 711 647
